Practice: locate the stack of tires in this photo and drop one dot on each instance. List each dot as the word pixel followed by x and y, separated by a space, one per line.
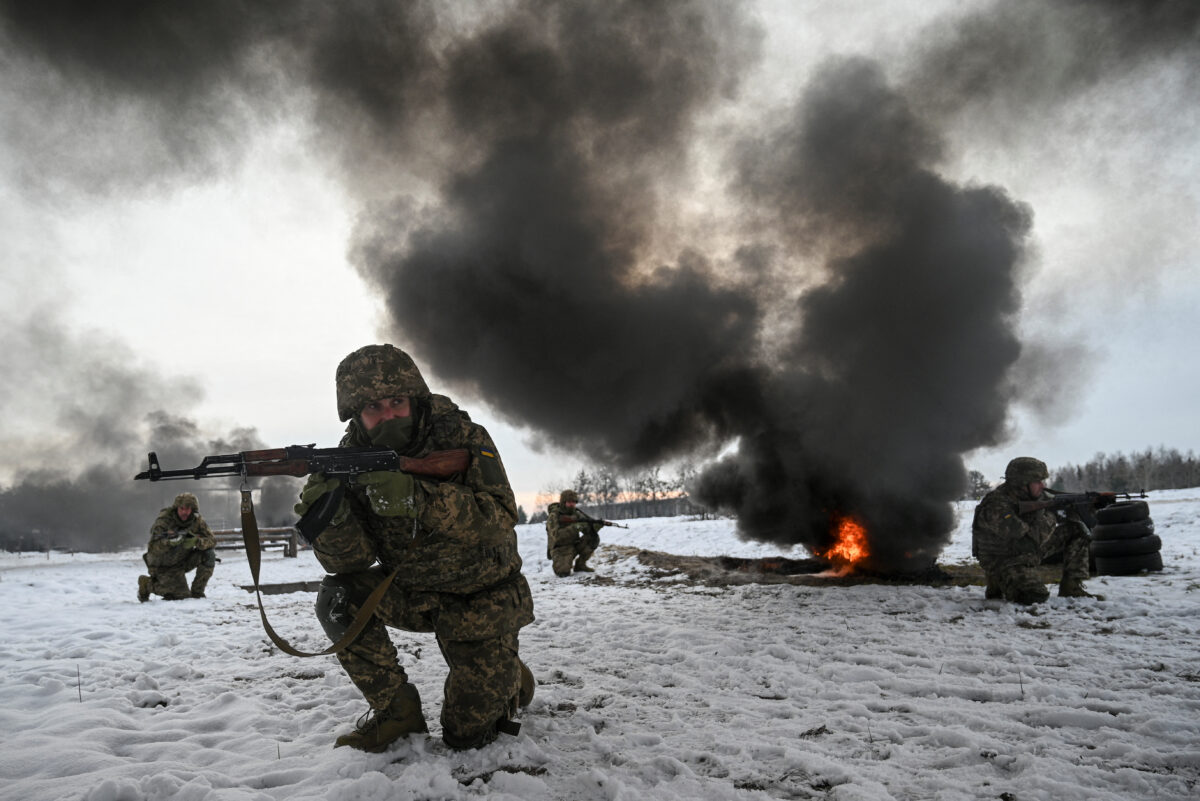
pixel 1124 542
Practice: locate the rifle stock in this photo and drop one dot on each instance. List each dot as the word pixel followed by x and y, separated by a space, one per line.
pixel 438 464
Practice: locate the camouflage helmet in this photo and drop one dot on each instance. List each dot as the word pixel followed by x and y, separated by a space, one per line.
pixel 186 499
pixel 374 372
pixel 568 496
pixel 1026 470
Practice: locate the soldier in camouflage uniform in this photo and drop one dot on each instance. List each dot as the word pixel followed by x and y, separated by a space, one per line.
pixel 455 546
pixel 1011 546
pixel 571 536
pixel 180 541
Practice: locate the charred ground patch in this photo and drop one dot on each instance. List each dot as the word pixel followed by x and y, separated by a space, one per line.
pixel 724 571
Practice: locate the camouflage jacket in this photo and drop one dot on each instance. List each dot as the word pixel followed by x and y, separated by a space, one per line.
pixel 559 532
pixel 999 533
pixel 163 550
pixel 462 540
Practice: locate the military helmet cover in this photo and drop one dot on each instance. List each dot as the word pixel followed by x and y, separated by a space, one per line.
pixel 568 496
pixel 374 372
pixel 186 499
pixel 1026 470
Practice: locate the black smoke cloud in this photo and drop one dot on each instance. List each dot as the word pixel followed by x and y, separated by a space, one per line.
pixel 898 362
pixel 524 174
pixel 525 283
pixel 527 280
pixel 82 416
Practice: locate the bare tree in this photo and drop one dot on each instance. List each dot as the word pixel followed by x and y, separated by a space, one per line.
pixel 977 485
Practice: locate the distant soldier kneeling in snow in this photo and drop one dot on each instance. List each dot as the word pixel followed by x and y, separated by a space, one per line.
pixel 1010 546
pixel 180 541
pixel 571 536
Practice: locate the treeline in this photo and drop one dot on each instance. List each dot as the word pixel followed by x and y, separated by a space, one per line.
pixel 605 493
pixel 1148 470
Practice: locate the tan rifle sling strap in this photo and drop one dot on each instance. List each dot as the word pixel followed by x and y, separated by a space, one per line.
pixel 254 557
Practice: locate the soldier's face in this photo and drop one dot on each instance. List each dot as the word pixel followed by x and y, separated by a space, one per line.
pixel 184 512
pixel 570 504
pixel 377 411
pixel 1035 489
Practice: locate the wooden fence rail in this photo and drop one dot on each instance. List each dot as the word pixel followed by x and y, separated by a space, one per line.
pixel 287 536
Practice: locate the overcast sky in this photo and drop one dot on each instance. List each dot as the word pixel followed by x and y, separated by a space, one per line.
pixel 211 247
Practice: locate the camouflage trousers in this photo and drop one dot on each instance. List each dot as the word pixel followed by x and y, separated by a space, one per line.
pixel 477 636
pixel 567 550
pixel 171 582
pixel 1015 578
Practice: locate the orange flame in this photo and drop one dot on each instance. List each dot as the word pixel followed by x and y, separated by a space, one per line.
pixel 850 543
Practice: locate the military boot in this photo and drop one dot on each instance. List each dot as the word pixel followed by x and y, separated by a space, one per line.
pixel 379 728
pixel 1073 588
pixel 525 694
pixel 143 589
pixel 993 592
pixel 581 566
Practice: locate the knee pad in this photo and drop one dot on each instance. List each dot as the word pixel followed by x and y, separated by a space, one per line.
pixel 333 607
pixel 208 558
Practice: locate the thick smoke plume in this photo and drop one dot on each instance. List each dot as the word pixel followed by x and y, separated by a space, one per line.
pixel 898 362
pixel 844 313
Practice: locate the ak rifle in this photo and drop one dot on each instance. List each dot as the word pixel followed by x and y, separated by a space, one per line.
pixel 302 460
pixel 1085 504
pixel 595 521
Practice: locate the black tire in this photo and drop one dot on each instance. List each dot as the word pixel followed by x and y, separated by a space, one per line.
pixel 1124 512
pixel 1123 531
pixel 1129 565
pixel 1109 549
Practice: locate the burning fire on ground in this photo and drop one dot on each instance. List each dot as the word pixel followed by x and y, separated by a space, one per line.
pixel 849 545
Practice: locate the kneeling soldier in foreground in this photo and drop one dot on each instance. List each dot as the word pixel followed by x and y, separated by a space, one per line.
pixel 452 549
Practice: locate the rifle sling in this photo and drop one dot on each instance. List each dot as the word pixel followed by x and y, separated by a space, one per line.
pixel 254 557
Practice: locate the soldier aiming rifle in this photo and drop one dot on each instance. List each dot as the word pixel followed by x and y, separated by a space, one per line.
pixel 572 535
pixel 1016 527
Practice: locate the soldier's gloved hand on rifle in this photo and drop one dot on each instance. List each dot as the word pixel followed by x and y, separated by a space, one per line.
pixel 185 541
pixel 314 489
pixel 390 493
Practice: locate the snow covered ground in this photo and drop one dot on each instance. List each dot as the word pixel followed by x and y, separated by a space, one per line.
pixel 648 688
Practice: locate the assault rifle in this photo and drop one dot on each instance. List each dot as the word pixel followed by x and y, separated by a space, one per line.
pixel 1085 504
pixel 567 519
pixel 301 460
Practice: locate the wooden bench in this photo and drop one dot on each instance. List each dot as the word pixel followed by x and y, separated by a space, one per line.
pixel 287 536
